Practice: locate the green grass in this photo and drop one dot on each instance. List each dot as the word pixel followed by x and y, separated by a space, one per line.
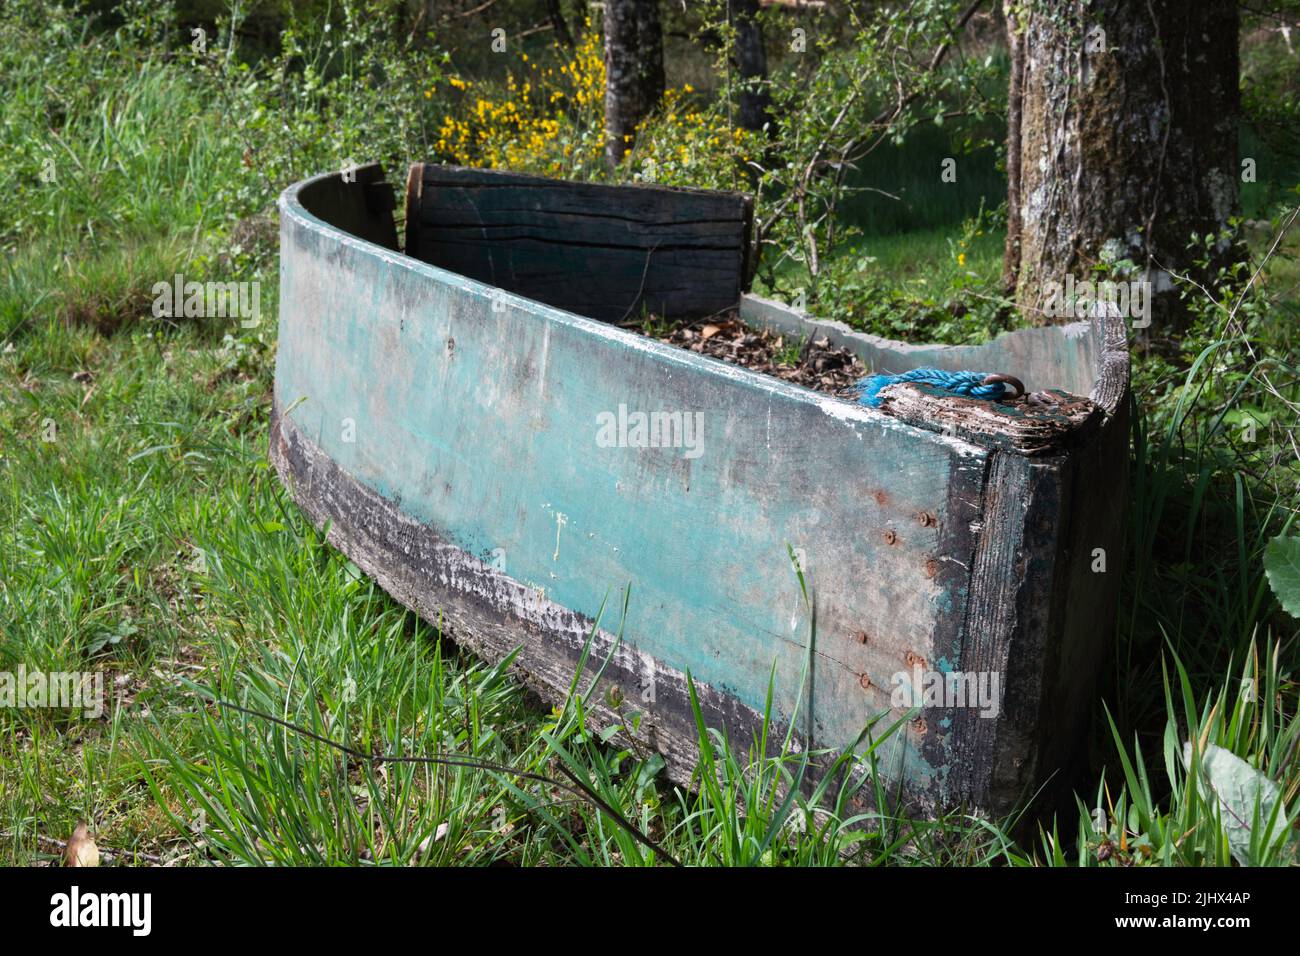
pixel 149 539
pixel 931 285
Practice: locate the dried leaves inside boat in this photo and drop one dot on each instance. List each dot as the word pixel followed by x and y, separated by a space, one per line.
pixel 813 362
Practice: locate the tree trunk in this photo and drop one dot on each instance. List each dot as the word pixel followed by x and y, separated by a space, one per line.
pixel 1015 105
pixel 751 61
pixel 634 70
pixel 1122 144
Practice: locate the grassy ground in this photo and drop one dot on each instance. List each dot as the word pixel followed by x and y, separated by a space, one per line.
pixel 143 535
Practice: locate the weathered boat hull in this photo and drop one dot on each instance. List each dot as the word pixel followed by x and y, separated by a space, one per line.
pixel 470 448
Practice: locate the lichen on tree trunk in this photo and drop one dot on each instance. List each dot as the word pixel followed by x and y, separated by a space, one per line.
pixel 1122 145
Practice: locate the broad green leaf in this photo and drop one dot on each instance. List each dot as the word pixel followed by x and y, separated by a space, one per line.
pixel 1246 799
pixel 1282 565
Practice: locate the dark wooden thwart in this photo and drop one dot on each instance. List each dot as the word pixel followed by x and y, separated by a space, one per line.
pixel 461 415
pixel 608 252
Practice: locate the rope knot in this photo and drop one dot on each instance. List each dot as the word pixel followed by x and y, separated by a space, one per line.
pixel 984 385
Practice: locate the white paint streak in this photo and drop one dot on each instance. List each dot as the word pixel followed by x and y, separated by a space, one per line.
pixel 560 521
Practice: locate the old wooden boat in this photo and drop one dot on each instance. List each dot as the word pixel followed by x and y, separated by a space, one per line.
pixel 439 404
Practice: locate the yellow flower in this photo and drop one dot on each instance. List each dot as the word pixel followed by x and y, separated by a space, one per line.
pixel 961 258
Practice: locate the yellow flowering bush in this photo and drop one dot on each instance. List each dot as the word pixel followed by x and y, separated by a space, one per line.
pixel 547 120
pixel 682 145
pixel 550 120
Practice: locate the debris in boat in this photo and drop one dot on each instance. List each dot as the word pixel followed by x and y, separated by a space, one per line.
pixel 812 362
pixel 816 363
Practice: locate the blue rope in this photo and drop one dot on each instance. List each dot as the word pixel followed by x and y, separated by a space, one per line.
pixel 970 384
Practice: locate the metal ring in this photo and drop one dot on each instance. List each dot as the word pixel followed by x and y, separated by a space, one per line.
pixel 1006 380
